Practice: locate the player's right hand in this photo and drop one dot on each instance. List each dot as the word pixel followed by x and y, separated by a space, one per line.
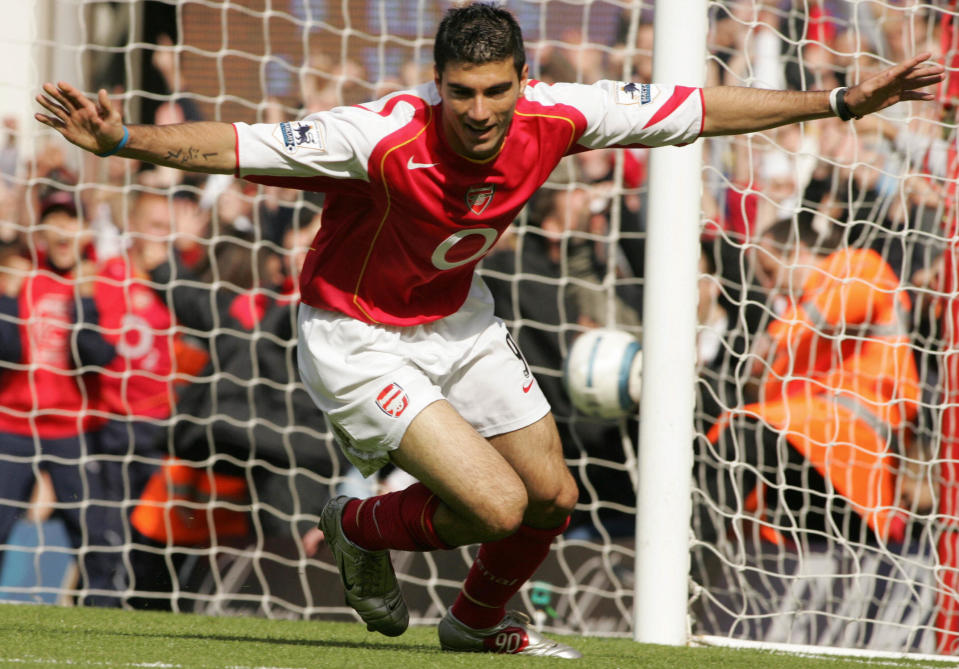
pixel 93 126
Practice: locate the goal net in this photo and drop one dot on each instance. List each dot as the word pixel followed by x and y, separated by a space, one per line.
pixel 822 502
pixel 825 452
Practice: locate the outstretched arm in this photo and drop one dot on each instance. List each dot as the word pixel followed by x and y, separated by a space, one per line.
pixel 731 109
pixel 98 127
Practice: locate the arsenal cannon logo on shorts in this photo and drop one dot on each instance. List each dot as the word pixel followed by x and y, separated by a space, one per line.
pixel 393 400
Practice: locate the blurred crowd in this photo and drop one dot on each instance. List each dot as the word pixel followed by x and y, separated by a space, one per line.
pixel 149 396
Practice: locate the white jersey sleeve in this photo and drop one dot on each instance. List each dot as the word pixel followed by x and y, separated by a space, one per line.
pixel 626 114
pixel 336 143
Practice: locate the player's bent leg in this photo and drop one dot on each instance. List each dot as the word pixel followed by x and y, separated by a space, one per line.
pixel 478 621
pixel 471 494
pixel 535 453
pixel 483 499
pixel 368 576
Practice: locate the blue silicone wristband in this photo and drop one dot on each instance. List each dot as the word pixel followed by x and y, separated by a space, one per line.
pixel 119 146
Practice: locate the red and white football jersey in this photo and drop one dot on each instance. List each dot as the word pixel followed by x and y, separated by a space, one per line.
pixel 406 219
pixel 138 323
pixel 45 395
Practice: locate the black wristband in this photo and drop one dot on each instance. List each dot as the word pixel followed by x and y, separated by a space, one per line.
pixel 842 109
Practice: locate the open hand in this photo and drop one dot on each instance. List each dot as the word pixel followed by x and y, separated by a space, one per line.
pixel 93 126
pixel 898 83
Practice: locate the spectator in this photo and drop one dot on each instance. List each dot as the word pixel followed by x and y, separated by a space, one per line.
pixel 839 389
pixel 329 84
pixel 51 349
pixel 714 388
pixel 136 387
pixel 179 108
pixel 246 418
pixel 191 225
pixel 639 57
pixel 813 47
pixel 754 45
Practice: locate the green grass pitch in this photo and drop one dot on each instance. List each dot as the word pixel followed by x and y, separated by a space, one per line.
pixel 46 636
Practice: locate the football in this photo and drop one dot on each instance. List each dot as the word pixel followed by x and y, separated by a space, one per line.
pixel 603 373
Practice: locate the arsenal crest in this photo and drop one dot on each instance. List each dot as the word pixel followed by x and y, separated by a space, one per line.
pixel 393 400
pixel 479 197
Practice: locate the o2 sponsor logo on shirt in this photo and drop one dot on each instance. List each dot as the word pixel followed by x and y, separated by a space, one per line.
pixel 440 256
pixel 636 94
pixel 301 135
pixel 393 400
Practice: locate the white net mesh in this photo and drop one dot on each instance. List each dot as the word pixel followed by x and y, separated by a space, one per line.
pixel 817 493
pixel 201 464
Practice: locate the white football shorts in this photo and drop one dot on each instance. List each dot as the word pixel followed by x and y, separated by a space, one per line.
pixel 371 381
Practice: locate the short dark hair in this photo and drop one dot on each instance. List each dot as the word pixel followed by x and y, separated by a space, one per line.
pixel 55 199
pixel 785 233
pixel 478 33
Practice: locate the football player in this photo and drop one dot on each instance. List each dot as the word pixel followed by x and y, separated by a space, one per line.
pixel 398 342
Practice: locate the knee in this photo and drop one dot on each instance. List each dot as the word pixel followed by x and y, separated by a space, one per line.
pixel 554 503
pixel 502 513
pixel 567 497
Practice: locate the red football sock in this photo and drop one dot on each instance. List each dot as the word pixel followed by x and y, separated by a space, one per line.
pixel 400 520
pixel 499 571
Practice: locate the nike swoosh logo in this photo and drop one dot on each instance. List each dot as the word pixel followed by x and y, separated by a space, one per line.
pixel 413 165
pixel 528 386
pixel 347 585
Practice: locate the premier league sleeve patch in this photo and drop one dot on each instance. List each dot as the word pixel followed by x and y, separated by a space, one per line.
pixel 301 135
pixel 635 94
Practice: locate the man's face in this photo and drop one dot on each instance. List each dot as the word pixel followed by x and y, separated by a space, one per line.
pixel 65 237
pixel 768 265
pixel 478 105
pixel 151 218
pixel 779 270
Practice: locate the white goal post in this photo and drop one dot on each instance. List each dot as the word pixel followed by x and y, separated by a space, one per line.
pixel 752 526
pixel 669 347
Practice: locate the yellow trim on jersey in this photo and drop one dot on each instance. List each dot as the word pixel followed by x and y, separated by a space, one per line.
pixel 386 187
pixel 485 160
pixel 561 118
pixel 503 145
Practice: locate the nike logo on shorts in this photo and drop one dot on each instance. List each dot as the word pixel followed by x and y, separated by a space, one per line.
pixel 528 386
pixel 413 165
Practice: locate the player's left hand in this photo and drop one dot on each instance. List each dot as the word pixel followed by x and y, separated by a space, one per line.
pixel 94 126
pixel 898 83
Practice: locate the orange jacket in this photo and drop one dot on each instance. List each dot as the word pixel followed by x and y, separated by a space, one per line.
pixel 843 383
pixel 185 504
